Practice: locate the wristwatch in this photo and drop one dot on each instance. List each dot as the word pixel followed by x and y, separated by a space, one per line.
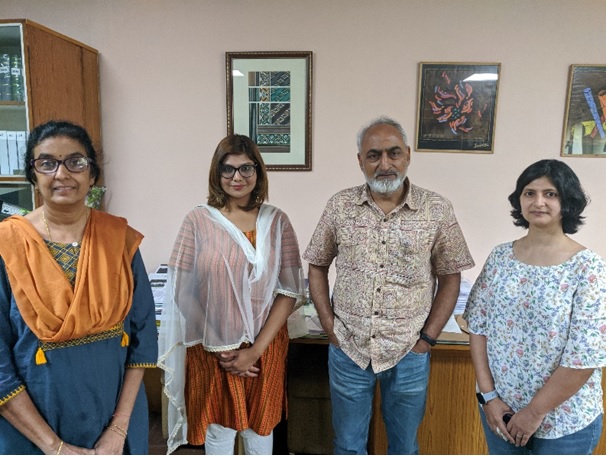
pixel 427 339
pixel 485 398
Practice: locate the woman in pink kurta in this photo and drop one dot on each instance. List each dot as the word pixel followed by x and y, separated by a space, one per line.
pixel 234 278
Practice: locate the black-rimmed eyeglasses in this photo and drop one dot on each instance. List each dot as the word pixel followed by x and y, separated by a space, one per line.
pixel 247 170
pixel 51 165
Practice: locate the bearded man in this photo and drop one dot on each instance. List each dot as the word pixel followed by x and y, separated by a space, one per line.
pixel 399 254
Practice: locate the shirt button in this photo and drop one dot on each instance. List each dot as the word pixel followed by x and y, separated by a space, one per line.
pixel 384 220
pixel 378 289
pixel 382 266
pixel 376 312
pixel 383 242
pixel 373 336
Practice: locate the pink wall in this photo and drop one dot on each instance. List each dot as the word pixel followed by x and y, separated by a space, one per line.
pixel 163 97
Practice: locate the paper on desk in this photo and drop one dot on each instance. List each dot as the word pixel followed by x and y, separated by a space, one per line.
pixel 452 326
pixel 297 324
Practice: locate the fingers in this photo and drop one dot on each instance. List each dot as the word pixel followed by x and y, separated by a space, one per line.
pixel 229 366
pixel 226 356
pixel 500 434
pixel 521 439
pixel 501 431
pixel 246 374
pixel 333 339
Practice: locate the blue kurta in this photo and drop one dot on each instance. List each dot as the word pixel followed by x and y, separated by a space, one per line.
pixel 78 388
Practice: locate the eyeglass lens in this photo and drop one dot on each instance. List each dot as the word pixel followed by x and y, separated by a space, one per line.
pixel 51 165
pixel 228 171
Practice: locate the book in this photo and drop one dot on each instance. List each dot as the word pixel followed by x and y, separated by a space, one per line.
pixel 17 87
pixel 4 167
pixel 5 77
pixel 21 138
pixel 13 161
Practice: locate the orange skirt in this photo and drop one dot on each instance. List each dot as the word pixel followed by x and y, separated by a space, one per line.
pixel 214 396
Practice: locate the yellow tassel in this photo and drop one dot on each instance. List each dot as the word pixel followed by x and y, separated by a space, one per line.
pixel 125 340
pixel 40 358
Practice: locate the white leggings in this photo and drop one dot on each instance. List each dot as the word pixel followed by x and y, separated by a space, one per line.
pixel 221 440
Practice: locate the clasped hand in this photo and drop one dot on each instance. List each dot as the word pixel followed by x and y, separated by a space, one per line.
pixel 239 362
pixel 518 430
pixel 109 443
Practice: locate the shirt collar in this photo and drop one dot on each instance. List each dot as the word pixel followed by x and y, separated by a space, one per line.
pixel 412 200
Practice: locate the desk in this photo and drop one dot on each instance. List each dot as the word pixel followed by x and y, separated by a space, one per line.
pixel 451 424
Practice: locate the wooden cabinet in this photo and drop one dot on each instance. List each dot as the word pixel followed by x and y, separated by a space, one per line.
pixel 451 424
pixel 60 80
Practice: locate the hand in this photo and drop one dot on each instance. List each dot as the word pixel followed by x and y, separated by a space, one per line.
pixel 66 448
pixel 523 425
pixel 225 355
pixel 240 362
pixel 421 347
pixel 494 411
pixel 328 326
pixel 110 442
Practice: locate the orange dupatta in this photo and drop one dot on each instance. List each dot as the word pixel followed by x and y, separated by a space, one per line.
pixel 103 290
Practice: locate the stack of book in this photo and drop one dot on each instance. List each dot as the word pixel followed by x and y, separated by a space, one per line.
pixel 158 281
pixel 12 87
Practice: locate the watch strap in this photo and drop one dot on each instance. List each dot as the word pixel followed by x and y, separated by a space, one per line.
pixel 428 339
pixel 485 398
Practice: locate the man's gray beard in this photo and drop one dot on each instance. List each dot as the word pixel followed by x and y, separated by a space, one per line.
pixel 385 186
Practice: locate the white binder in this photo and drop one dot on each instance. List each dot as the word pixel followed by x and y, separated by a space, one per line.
pixel 13 162
pixel 4 168
pixel 21 138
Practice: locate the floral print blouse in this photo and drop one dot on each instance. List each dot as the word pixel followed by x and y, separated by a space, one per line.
pixel 537 318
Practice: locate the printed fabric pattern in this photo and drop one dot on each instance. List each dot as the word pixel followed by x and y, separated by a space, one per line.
pixel 537 318
pixel 386 268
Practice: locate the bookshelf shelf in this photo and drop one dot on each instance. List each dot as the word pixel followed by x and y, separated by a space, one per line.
pixel 51 65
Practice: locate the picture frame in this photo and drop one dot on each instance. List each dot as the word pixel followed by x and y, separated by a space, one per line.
pixel 269 99
pixel 457 107
pixel 584 126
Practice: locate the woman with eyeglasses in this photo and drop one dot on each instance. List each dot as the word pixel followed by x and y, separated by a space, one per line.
pixel 234 278
pixel 77 322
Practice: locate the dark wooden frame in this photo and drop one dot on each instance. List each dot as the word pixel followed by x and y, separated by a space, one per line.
pixel 298 158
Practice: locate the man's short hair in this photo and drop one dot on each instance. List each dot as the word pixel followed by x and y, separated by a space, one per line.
pixel 381 120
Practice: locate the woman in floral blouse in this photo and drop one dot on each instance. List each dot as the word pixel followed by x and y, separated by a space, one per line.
pixel 537 324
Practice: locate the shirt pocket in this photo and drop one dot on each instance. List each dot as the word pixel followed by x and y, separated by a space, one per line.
pixel 353 247
pixel 410 257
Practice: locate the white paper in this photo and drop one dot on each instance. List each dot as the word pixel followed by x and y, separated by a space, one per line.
pixel 452 326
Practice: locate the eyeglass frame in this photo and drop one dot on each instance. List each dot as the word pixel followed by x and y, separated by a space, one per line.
pixel 59 163
pixel 234 170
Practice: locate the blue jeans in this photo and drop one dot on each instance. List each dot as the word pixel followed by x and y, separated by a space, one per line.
pixel 403 396
pixel 580 442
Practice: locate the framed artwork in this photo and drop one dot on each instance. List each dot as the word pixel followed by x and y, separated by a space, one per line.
pixel 584 127
pixel 457 107
pixel 268 98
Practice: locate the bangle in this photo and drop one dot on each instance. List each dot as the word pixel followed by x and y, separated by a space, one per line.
pixel 60 447
pixel 428 339
pixel 119 430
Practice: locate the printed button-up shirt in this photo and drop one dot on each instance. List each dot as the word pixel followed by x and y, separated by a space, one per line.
pixel 386 268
